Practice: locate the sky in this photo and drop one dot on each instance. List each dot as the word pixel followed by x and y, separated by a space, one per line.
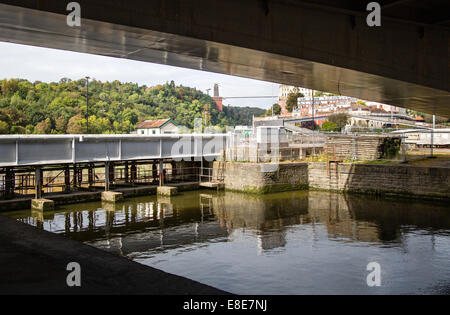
pixel 50 65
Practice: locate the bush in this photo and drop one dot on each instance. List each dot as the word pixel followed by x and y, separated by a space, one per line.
pixel 329 126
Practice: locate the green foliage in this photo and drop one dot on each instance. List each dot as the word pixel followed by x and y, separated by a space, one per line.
pixel 291 101
pixel 4 127
pixel 329 126
pixel 275 109
pixel 340 120
pixel 390 148
pixel 114 107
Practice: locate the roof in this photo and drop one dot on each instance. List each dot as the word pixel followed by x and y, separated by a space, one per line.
pixel 157 123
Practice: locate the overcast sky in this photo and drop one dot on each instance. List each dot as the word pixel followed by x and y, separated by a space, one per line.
pixel 50 65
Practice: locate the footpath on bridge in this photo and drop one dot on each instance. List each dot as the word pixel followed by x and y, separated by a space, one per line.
pixel 34 261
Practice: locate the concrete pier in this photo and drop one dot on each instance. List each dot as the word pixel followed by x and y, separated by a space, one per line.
pixel 167 190
pixel 42 204
pixel 35 261
pixel 112 196
pixel 90 196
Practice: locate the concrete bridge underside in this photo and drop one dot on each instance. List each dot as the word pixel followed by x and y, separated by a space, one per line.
pixel 321 44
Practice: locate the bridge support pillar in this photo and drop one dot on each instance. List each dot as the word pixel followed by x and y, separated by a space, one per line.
pixel 91 176
pixel 38 183
pixel 67 179
pixel 75 176
pixel 126 173
pixel 80 176
pixel 154 172
pixel 133 172
pixel 161 172
pixel 174 170
pixel 106 177
pixel 9 183
pixel 111 172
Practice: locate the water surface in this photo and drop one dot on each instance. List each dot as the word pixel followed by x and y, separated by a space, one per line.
pixel 285 243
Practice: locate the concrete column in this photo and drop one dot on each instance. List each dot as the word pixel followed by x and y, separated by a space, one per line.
pixel 75 178
pixel 91 176
pixel 107 176
pixel 154 171
pixel 161 172
pixel 133 172
pixel 67 179
pixel 9 183
pixel 39 203
pixel 126 172
pixel 174 169
pixel 111 172
pixel 38 183
pixel 80 176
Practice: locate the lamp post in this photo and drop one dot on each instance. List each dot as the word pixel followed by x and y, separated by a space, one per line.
pixel 87 105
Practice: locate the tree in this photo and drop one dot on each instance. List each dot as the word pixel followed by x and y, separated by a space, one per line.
pixel 340 120
pixel 76 125
pixel 44 127
pixel 113 106
pixel 275 109
pixel 291 101
pixel 60 124
pixel 4 127
pixel 329 126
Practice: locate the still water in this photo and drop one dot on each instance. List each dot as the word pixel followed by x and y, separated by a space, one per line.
pixel 285 243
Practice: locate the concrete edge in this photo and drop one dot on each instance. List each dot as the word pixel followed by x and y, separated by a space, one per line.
pixel 34 262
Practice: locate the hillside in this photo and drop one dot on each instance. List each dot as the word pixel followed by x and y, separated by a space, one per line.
pixel 114 107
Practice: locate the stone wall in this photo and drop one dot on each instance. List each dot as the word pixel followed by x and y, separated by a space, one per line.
pixel 265 177
pixel 359 178
pixel 381 179
pixel 362 147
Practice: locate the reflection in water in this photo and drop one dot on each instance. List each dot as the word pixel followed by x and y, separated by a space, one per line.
pixel 293 242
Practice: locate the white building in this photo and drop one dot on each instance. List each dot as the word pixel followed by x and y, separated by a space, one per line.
pixel 286 89
pixel 156 127
pixel 388 108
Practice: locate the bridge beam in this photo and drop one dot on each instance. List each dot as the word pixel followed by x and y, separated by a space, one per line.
pixel 323 45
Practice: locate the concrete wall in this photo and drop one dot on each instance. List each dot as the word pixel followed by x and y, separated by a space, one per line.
pixel 264 177
pixel 360 178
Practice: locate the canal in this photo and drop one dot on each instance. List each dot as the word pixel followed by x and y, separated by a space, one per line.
pixel 302 242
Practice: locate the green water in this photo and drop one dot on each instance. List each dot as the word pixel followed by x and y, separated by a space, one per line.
pixel 285 243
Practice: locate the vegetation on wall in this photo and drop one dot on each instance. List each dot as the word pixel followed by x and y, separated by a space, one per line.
pixel 114 107
pixel 390 148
